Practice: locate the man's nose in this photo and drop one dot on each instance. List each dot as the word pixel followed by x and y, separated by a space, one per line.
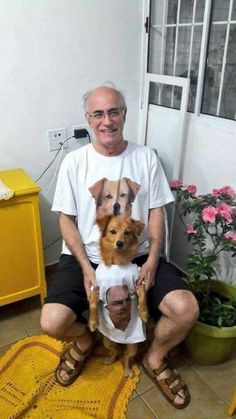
pixel 106 118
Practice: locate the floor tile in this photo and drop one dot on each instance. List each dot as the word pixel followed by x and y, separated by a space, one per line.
pixel 205 404
pixel 4 349
pixel 221 378
pixel 144 384
pixel 137 409
pixel 11 330
pixel 179 357
pixel 134 395
pixel 31 321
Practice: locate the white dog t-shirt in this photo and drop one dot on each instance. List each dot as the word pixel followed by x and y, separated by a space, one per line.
pixel 114 275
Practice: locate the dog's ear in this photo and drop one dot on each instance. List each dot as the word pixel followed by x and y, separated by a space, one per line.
pixel 133 187
pixel 138 226
pixel 97 188
pixel 103 223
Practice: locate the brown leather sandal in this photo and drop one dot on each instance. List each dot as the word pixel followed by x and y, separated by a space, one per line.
pixel 74 372
pixel 164 384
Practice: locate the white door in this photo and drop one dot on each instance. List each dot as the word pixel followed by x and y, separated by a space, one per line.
pixel 193 39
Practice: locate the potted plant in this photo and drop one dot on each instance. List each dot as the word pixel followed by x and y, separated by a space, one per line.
pixel 210 223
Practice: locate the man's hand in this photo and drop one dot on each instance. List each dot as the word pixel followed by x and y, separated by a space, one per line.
pixel 155 231
pixel 148 274
pixel 90 281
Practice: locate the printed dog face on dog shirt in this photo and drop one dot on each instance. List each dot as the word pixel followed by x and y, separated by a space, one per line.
pixel 114 197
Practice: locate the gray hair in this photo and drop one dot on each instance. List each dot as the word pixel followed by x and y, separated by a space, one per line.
pixel 120 96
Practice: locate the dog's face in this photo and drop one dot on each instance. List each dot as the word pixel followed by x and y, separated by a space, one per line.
pixel 114 196
pixel 120 233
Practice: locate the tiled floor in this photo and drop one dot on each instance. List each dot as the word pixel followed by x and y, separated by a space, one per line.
pixel 211 387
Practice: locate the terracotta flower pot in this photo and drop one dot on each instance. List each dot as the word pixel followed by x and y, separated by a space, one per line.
pixel 209 344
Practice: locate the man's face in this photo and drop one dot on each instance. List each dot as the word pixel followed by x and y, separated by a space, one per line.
pixel 106 117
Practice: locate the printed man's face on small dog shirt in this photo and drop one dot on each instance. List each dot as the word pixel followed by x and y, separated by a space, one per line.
pixel 118 301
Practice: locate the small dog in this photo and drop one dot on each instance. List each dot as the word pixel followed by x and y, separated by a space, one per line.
pixel 114 196
pixel 118 246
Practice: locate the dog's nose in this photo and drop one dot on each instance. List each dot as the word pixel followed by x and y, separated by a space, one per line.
pixel 116 209
pixel 119 243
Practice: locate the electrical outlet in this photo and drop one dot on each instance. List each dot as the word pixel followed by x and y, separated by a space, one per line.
pixel 56 137
pixel 87 127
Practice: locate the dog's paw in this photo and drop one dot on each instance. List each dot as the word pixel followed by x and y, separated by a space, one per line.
pixel 129 373
pixel 108 360
pixel 93 325
pixel 143 316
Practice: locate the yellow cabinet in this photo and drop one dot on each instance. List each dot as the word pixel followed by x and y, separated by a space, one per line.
pixel 22 272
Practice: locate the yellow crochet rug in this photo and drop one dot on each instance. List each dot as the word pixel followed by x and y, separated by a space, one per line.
pixel 28 388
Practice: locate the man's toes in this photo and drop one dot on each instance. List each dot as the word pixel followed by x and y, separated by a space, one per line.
pixel 180 397
pixel 64 376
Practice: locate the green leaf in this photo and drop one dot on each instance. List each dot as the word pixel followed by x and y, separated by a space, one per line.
pixel 219 321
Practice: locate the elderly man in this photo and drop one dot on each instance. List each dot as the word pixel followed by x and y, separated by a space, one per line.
pixel 111 159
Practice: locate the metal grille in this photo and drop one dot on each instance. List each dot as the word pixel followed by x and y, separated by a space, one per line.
pixel 219 97
pixel 177 46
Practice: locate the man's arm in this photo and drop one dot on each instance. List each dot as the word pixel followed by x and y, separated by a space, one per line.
pixel 73 239
pixel 155 232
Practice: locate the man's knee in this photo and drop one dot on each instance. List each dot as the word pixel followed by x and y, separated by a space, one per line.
pixel 181 305
pixel 56 319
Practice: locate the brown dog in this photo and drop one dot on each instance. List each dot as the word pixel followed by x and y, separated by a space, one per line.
pixel 114 196
pixel 119 245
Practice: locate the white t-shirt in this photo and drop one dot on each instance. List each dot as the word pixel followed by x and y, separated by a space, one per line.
pixel 83 172
pixel 110 276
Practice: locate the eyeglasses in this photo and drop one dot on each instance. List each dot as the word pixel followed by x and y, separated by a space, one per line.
pixel 113 113
pixel 118 303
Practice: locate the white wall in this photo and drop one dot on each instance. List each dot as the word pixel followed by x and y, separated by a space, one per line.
pixel 51 52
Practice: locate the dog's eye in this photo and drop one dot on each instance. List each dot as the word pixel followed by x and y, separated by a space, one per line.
pixel 122 195
pixel 127 232
pixel 113 231
pixel 109 196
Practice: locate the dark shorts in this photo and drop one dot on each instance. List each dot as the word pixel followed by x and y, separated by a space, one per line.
pixel 68 286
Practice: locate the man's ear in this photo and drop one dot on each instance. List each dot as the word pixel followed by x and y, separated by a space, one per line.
pixel 87 118
pixel 103 223
pixel 125 113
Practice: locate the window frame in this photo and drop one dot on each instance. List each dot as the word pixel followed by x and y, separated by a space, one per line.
pixel 202 58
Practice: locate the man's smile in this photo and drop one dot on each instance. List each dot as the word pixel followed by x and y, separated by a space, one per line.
pixel 107 131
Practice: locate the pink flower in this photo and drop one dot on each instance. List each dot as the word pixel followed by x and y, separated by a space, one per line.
pixel 190 229
pixel 230 236
pixel 175 183
pixel 225 211
pixel 192 189
pixel 215 192
pixel 233 208
pixel 209 214
pixel 226 190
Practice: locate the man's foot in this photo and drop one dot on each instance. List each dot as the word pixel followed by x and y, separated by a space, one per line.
pixel 170 384
pixel 71 363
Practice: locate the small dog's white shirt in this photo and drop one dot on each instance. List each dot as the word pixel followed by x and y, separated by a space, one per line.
pixel 114 275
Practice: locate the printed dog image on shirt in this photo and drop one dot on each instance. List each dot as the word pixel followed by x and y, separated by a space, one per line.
pixel 114 196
